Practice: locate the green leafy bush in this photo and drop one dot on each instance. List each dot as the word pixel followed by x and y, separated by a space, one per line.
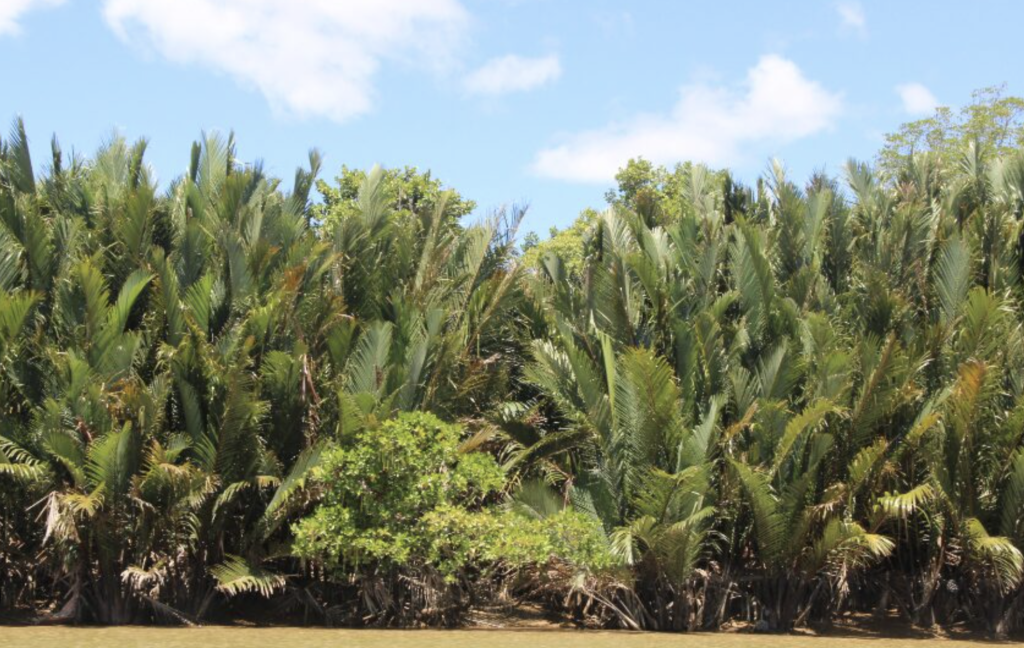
pixel 404 495
pixel 461 538
pixel 377 491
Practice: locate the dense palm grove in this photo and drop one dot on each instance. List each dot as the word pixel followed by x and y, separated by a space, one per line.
pixel 780 405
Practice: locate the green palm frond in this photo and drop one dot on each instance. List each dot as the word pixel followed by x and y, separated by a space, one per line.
pixel 292 483
pixel 18 463
pixel 805 421
pixel 646 413
pixel 769 521
pixel 14 312
pixel 1012 502
pixel 20 173
pixel 952 277
pixel 534 498
pixel 998 552
pixel 843 546
pixel 627 543
pixel 113 459
pixel 904 505
pixel 695 447
pixel 367 367
pixel 754 277
pixel 237 576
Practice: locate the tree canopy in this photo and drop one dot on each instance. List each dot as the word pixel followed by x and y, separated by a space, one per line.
pixel 993 122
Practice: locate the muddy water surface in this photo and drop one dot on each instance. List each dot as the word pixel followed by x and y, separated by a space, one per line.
pixel 233 637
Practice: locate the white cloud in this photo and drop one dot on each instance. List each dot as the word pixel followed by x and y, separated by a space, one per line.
pixel 714 124
pixel 917 99
pixel 308 57
pixel 852 15
pixel 12 10
pixel 513 74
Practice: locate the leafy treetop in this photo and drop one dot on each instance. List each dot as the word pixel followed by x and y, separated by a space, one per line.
pixel 991 121
pixel 408 190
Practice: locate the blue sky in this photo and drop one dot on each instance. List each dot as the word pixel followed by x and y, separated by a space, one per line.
pixel 532 101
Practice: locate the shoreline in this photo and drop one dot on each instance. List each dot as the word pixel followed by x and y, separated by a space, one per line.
pixel 321 637
pixel 535 621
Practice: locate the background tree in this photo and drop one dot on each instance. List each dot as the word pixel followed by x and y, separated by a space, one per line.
pixel 992 121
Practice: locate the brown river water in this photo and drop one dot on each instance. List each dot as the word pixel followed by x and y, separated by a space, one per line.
pixel 234 637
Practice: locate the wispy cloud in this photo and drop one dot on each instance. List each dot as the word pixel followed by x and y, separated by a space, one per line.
pixel 513 74
pixel 718 125
pixel 916 98
pixel 11 12
pixel 852 15
pixel 615 23
pixel 310 58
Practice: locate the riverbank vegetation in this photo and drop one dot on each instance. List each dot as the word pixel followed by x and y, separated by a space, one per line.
pixel 780 404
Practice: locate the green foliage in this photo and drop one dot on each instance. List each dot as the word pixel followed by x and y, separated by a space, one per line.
pixel 407 193
pixel 172 365
pixel 405 495
pixel 498 537
pixel 656 193
pixel 568 245
pixel 378 490
pixel 992 121
pixel 707 403
pixel 790 388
